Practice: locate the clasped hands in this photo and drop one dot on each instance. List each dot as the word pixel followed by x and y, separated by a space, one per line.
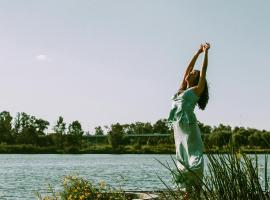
pixel 204 47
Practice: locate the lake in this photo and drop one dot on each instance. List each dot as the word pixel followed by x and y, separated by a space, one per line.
pixel 23 174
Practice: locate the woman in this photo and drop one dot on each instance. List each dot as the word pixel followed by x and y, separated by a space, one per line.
pixel 189 146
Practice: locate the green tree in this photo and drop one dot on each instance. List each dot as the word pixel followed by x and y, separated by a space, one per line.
pixel 129 129
pixel 116 135
pixel 205 129
pixel 255 139
pixel 17 124
pixel 25 130
pixel 238 139
pixel 138 128
pixel 205 132
pixel 161 127
pixel 219 138
pixel 40 125
pixel 266 139
pixel 99 131
pixel 6 127
pixel 240 136
pixel 148 128
pixel 222 127
pixel 59 130
pixel 28 128
pixel 75 133
pixel 60 126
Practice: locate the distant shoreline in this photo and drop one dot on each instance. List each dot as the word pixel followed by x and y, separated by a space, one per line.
pixel 106 149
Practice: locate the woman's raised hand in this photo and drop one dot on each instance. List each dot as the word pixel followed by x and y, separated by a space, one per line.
pixel 200 50
pixel 206 46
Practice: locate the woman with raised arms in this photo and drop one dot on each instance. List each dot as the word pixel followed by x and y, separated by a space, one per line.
pixel 188 142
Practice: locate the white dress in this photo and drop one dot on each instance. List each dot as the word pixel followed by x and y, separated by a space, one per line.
pixel 187 137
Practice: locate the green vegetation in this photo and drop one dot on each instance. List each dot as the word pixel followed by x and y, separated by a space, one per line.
pixel 77 188
pixel 231 176
pixel 26 134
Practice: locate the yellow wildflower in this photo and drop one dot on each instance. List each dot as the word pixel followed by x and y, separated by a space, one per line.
pixel 238 155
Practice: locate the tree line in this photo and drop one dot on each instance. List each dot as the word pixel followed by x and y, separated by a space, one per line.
pixel 30 130
pixel 27 129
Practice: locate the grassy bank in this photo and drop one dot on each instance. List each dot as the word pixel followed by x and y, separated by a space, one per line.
pixel 107 149
pixel 95 149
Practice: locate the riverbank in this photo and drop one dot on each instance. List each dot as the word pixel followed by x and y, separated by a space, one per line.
pixel 107 149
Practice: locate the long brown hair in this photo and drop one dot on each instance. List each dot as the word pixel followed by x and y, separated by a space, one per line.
pixel 203 100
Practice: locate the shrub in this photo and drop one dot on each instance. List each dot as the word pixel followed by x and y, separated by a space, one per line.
pixel 77 188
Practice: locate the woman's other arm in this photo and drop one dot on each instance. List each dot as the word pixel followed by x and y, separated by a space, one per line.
pixel 190 67
pixel 200 87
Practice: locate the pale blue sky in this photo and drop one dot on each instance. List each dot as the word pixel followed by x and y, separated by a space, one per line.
pixel 102 62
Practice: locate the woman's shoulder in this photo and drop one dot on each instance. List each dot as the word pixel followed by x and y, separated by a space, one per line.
pixel 185 92
pixel 189 92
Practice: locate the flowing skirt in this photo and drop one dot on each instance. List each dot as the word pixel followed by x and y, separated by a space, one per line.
pixel 189 154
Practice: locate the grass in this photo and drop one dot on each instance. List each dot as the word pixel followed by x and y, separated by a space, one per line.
pixel 231 176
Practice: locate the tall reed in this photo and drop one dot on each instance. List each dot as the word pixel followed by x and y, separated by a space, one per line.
pixel 231 176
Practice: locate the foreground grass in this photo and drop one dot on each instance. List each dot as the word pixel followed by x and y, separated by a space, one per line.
pixel 231 176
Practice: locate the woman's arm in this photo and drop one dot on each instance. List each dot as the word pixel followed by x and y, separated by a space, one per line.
pixel 190 67
pixel 200 87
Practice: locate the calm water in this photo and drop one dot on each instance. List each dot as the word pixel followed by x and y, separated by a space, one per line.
pixel 23 174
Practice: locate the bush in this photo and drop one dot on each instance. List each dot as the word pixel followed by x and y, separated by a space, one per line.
pixel 77 188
